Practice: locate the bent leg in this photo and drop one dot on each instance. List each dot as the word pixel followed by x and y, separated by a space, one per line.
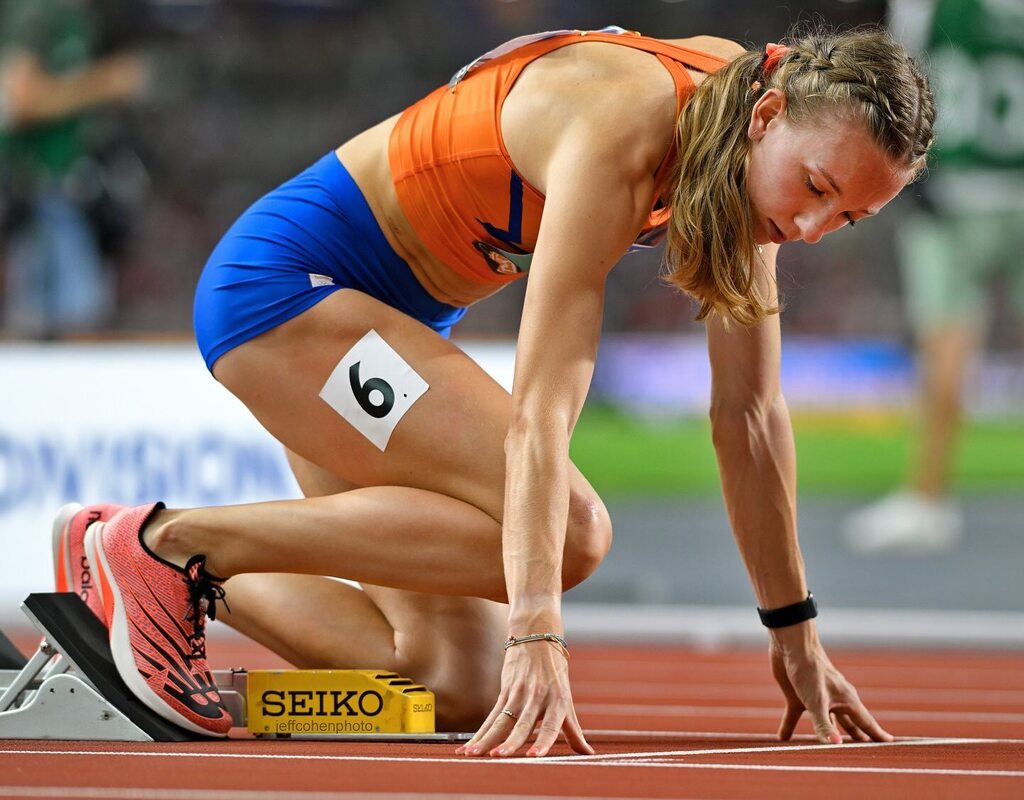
pixel 386 535
pixel 449 644
pixel 428 514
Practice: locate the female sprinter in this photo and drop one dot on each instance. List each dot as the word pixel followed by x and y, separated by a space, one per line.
pixel 326 308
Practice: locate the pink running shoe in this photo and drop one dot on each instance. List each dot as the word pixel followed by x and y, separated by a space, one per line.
pixel 156 612
pixel 71 567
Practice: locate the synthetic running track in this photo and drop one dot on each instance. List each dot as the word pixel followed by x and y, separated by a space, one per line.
pixel 667 722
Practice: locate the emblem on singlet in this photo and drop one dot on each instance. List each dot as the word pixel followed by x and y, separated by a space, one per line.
pixel 502 261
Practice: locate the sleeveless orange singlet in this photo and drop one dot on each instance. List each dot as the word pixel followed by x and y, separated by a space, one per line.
pixel 454 179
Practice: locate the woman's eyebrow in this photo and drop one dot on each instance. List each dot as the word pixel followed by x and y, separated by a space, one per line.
pixel 832 181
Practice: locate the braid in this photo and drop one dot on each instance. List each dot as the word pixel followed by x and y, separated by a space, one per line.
pixel 867 72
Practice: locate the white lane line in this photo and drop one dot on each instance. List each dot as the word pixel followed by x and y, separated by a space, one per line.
pixel 540 762
pixel 779 748
pixel 620 759
pixel 963 773
pixel 653 710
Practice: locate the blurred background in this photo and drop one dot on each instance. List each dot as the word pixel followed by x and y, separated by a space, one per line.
pixel 112 203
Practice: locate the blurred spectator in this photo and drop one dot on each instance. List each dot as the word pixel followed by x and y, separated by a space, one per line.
pixel 50 77
pixel 969 236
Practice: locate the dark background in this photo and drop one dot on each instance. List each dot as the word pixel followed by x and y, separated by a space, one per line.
pixel 248 92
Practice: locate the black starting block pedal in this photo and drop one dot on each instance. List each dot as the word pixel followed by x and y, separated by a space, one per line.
pixel 70 688
pixel 10 656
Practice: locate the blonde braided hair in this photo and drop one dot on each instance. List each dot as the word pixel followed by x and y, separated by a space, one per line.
pixel 864 74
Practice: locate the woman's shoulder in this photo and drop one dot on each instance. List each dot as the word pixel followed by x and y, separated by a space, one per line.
pixel 713 45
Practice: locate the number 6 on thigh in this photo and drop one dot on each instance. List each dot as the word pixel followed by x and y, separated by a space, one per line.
pixel 372 388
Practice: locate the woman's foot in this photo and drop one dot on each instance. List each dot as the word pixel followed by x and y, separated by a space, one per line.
pixel 156 612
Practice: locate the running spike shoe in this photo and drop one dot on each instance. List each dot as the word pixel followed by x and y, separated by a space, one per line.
pixel 905 524
pixel 71 567
pixel 156 612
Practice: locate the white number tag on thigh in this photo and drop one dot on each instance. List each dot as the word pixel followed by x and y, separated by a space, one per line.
pixel 372 387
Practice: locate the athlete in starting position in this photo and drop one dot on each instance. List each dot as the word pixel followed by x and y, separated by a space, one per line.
pixel 326 308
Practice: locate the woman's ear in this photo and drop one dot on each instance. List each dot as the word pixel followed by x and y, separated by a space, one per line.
pixel 770 105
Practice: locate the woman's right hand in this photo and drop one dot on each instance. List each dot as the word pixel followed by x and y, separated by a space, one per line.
pixel 534 694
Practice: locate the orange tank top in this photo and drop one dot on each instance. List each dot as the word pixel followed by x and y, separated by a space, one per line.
pixel 454 178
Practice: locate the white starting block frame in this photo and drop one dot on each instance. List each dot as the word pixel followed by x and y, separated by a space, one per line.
pixel 42 701
pixel 53 697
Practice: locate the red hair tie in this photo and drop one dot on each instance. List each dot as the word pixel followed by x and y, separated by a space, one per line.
pixel 773 55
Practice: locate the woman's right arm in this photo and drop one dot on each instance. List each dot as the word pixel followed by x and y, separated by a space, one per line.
pixel 753 440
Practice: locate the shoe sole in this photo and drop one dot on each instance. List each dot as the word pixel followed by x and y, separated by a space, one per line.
pixel 120 639
pixel 862 543
pixel 64 578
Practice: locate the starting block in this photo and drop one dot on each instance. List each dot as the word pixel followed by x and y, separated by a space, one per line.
pixel 347 702
pixel 70 689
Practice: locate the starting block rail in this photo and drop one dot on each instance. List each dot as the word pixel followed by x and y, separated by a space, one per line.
pixel 70 689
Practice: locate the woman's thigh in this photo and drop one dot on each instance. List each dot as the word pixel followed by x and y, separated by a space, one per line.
pixel 448 440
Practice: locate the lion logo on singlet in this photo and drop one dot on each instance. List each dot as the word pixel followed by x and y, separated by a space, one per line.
pixel 503 262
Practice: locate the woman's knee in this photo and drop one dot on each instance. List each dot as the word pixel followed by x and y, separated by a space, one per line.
pixel 588 537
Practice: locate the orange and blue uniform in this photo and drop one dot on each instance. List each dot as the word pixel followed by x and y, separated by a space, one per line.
pixel 455 183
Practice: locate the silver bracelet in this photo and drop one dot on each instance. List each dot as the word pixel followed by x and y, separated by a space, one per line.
pixel 511 641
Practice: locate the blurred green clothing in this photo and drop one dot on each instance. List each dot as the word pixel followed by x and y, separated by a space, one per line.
pixel 973 236
pixel 62 34
pixel 950 263
pixel 976 54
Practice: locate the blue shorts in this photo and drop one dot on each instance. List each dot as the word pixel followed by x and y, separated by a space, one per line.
pixel 308 238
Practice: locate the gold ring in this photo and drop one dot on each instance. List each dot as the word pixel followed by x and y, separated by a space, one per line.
pixel 509 713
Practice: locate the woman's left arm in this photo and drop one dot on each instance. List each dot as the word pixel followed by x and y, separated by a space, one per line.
pixel 753 440
pixel 596 201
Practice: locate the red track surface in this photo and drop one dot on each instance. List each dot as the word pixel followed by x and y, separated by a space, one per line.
pixel 667 723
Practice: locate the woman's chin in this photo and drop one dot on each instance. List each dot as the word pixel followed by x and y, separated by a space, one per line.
pixel 761 234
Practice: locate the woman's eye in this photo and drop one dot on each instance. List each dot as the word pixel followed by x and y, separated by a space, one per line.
pixel 814 189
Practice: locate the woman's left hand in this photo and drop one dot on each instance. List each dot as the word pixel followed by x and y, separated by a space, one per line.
pixel 811 683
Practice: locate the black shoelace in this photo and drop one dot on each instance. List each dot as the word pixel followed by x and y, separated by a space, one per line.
pixel 203 594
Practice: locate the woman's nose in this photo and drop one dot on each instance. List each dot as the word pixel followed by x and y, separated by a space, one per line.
pixel 812 227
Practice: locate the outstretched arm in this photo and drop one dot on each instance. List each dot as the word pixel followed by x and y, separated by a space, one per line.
pixel 594 206
pixel 31 95
pixel 753 440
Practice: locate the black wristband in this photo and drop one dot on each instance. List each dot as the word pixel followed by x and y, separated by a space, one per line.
pixel 789 615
